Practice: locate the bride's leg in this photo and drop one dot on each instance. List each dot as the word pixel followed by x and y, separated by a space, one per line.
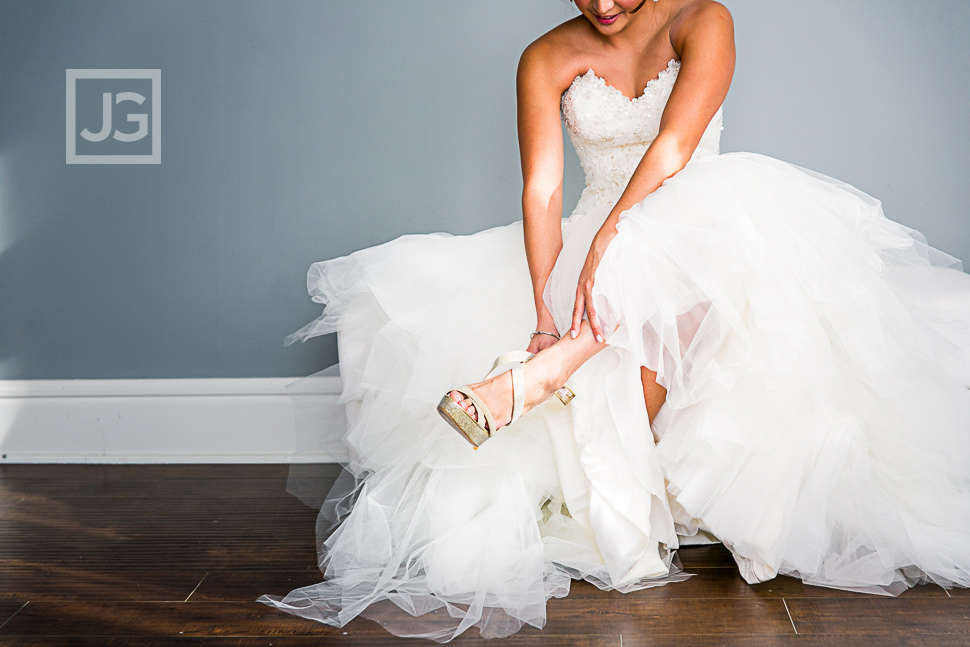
pixel 653 394
pixel 544 373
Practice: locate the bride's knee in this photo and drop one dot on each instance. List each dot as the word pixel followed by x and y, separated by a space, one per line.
pixel 654 395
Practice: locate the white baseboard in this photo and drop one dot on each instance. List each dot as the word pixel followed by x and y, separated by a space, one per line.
pixel 217 420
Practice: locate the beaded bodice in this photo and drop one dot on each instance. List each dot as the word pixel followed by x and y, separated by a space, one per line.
pixel 611 132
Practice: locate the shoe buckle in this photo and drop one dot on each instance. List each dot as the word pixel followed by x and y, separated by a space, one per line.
pixel 565 394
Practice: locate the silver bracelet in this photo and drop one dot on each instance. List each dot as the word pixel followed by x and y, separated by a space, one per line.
pixel 542 332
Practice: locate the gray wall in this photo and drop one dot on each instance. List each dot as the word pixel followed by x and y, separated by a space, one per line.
pixel 293 133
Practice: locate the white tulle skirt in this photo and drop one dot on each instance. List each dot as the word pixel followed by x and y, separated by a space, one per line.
pixel 816 357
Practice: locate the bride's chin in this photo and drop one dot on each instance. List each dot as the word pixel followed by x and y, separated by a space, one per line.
pixel 610 29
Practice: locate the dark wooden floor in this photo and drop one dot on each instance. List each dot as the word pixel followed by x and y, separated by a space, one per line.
pixel 140 555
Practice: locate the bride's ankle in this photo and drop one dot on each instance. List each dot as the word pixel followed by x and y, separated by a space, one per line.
pixel 546 372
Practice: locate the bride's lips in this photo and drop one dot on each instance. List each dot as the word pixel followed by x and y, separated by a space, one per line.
pixel 606 20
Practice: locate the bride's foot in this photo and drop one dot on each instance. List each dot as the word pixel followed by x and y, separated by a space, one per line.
pixel 543 375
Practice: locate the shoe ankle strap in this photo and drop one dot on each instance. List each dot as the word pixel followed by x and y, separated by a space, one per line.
pixel 510 356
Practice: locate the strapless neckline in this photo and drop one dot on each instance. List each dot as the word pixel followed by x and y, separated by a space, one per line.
pixel 611 131
pixel 672 64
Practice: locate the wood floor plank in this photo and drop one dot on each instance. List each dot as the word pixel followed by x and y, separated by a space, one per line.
pixel 911 616
pixel 10 606
pixel 166 531
pixel 77 471
pixel 565 618
pixel 751 640
pixel 7 502
pixel 158 516
pixel 108 555
pixel 728 583
pixel 42 580
pixel 630 615
pixel 121 557
pixel 169 508
pixel 591 640
pixel 141 488
pixel 118 618
pixel 215 549
pixel 706 556
pixel 241 585
pixel 248 584
pixel 348 640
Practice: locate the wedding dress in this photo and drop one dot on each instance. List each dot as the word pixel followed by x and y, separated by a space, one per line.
pixel 816 357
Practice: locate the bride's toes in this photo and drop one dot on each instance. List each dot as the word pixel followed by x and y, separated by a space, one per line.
pixel 459 399
pixel 464 402
pixel 497 389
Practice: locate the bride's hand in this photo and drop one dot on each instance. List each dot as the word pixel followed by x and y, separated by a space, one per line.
pixel 584 291
pixel 538 342
pixel 545 324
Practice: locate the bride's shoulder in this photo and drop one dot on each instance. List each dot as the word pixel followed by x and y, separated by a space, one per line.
pixel 706 21
pixel 557 55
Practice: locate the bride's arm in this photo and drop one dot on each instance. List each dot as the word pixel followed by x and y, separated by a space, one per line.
pixel 704 38
pixel 541 150
pixel 705 41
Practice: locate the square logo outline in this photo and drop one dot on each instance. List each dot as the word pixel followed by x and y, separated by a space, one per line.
pixel 154 75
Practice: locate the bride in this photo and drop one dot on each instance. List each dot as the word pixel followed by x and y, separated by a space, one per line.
pixel 720 348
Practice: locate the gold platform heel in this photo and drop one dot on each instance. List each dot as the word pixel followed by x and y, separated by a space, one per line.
pixel 478 431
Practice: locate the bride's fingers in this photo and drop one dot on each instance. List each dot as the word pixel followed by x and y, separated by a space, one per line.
pixel 578 310
pixel 594 322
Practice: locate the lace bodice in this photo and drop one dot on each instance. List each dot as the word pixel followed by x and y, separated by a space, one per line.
pixel 611 132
